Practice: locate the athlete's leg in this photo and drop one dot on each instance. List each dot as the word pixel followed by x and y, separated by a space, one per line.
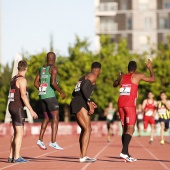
pixel 162 130
pixel 12 145
pixel 83 120
pixel 19 131
pixel 108 130
pixel 44 126
pixel 152 123
pixel 145 123
pixel 130 120
pixel 54 125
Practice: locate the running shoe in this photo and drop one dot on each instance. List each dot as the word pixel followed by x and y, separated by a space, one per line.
pixel 11 160
pixel 151 141
pixel 87 159
pixel 21 160
pixel 55 146
pixel 133 159
pixel 41 145
pixel 126 157
pixel 162 142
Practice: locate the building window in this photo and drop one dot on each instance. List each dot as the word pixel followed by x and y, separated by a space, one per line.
pixel 148 23
pixel 143 5
pixel 123 4
pixel 163 21
pixel 166 4
pixel 108 24
pixel 129 21
pixel 143 42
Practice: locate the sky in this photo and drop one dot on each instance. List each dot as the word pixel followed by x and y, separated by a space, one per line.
pixel 26 25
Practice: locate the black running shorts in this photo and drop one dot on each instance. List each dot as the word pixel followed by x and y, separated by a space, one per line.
pixel 77 103
pixel 18 116
pixel 49 104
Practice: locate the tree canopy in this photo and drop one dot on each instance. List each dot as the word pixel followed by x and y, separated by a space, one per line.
pixel 113 57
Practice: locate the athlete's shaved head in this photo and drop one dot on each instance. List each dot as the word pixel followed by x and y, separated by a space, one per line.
pixel 132 66
pixel 96 65
pixel 51 56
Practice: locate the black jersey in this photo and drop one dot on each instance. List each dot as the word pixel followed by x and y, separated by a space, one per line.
pixel 83 88
pixel 15 95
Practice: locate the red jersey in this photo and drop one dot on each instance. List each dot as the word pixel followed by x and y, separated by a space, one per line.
pixel 149 108
pixel 128 92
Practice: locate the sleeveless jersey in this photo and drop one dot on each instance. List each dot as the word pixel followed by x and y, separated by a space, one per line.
pixel 110 114
pixel 163 112
pixel 45 89
pixel 128 92
pixel 150 107
pixel 77 90
pixel 15 95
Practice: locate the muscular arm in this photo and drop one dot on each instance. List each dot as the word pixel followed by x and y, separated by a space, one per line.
pixel 36 81
pixel 53 72
pixel 118 80
pixel 144 104
pixel 137 77
pixel 22 84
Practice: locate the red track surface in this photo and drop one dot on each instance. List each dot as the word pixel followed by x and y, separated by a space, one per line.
pixel 150 157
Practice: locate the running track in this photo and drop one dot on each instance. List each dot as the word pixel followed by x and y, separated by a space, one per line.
pixel 150 157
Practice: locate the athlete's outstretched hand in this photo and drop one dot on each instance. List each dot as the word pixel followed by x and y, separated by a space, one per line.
pixel 149 64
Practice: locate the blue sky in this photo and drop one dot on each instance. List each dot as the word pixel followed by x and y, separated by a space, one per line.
pixel 28 24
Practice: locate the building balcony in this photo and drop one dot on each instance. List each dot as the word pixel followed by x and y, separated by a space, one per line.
pixel 107 9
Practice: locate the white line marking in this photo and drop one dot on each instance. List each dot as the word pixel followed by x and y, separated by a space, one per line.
pixel 84 168
pixel 153 155
pixel 39 156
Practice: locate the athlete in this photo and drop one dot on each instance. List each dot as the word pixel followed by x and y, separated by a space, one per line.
pixel 109 113
pixel 127 102
pixel 18 99
pixel 139 120
pixel 149 107
pixel 46 83
pixel 164 114
pixel 82 106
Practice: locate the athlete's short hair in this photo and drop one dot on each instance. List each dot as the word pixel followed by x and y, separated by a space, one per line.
pixel 96 65
pixel 22 65
pixel 162 92
pixel 51 56
pixel 132 66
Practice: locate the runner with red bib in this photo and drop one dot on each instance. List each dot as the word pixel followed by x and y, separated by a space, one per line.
pixel 149 108
pixel 127 102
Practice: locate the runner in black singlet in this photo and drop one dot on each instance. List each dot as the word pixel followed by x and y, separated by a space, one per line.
pixel 83 107
pixel 18 99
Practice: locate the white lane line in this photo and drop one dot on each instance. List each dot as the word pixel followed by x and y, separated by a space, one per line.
pixel 84 168
pixel 147 150
pixel 14 164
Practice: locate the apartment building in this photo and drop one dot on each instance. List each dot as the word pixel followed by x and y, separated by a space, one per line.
pixel 144 23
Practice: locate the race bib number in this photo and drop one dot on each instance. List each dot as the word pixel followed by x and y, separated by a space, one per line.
pixel 77 87
pixel 110 116
pixel 43 88
pixel 162 111
pixel 149 113
pixel 140 116
pixel 11 95
pixel 125 89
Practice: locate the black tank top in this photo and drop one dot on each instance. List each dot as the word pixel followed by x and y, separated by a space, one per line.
pixel 77 90
pixel 15 95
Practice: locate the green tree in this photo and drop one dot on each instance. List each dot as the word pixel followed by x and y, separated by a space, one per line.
pixel 5 78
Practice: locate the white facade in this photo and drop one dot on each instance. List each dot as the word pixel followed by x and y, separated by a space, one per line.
pixel 144 23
